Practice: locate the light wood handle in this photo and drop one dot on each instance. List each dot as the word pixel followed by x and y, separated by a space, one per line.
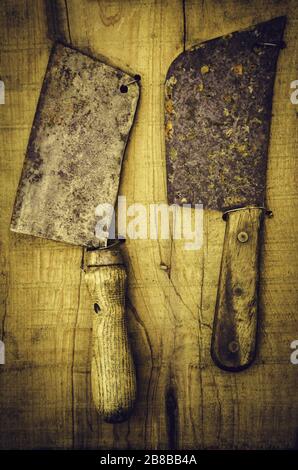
pixel 233 344
pixel 112 370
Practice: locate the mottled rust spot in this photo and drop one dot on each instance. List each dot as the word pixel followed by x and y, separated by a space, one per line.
pixel 218 121
pixel 237 69
pixel 205 69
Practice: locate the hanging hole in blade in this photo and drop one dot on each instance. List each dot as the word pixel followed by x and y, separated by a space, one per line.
pixel 124 89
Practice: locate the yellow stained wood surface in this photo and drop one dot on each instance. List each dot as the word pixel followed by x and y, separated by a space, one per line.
pixel 184 400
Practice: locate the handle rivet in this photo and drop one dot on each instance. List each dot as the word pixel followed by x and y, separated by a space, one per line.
pixel 238 291
pixel 242 237
pixel 233 346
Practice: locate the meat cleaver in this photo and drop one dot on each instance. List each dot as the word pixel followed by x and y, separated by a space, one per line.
pixel 70 175
pixel 218 100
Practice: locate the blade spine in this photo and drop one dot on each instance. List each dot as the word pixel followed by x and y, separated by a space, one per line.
pixel 249 28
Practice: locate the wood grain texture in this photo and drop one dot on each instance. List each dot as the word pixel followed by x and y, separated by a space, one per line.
pixel 113 378
pixel 233 344
pixel 184 400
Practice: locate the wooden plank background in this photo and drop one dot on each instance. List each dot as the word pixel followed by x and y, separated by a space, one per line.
pixel 184 401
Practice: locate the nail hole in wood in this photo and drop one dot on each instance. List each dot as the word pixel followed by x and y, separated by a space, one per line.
pixel 96 308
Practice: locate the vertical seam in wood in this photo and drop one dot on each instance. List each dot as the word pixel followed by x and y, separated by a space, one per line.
pixel 4 315
pixel 184 24
pixel 73 358
pixel 5 304
pixel 67 20
pixel 200 345
pixel 141 323
pixel 172 410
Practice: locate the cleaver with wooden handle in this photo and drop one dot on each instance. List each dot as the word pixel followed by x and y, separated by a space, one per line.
pixel 218 100
pixel 69 181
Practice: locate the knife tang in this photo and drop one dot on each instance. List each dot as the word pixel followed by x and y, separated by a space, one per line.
pixel 233 344
pixel 113 377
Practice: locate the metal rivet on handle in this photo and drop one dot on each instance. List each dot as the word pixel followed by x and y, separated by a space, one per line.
pixel 242 237
pixel 238 291
pixel 233 346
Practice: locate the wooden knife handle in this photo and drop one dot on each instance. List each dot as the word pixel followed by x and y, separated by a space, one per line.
pixel 112 370
pixel 233 344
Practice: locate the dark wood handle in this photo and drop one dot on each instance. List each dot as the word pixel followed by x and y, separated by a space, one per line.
pixel 233 344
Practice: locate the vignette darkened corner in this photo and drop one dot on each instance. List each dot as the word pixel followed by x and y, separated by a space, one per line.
pixel 149 232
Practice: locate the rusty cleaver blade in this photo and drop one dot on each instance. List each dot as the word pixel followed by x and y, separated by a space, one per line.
pixel 218 100
pixel 72 167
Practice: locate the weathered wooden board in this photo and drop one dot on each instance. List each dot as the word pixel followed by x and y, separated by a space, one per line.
pixel 184 400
